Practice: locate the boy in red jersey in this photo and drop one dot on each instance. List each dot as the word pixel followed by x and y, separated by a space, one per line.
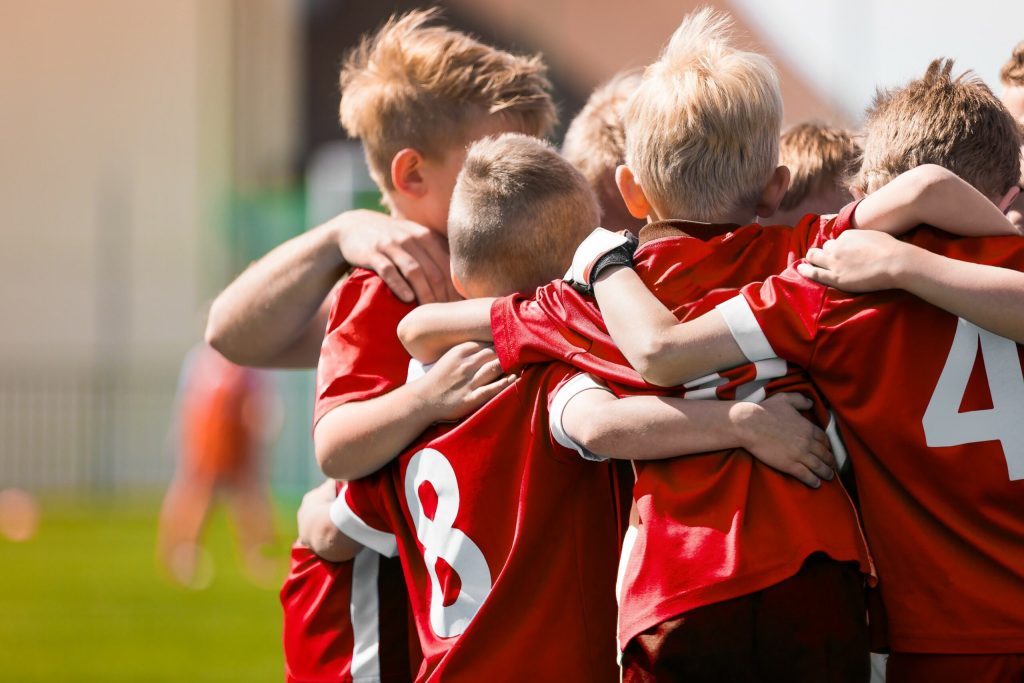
pixel 819 159
pixel 416 95
pixel 475 508
pixel 346 609
pixel 713 636
pixel 930 411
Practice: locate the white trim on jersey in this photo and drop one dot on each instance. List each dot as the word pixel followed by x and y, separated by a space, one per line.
pixel 359 531
pixel 628 541
pixel 835 440
pixel 416 370
pixel 364 610
pixel 577 385
pixel 745 330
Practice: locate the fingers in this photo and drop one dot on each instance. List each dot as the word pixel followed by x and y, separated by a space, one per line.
pixel 413 272
pixel 822 448
pixel 820 275
pixel 806 476
pixel 485 393
pixel 815 464
pixel 487 372
pixel 434 266
pixel 388 272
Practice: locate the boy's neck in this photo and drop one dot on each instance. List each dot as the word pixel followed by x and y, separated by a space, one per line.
pixel 740 216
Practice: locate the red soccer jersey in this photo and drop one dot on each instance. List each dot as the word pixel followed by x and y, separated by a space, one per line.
pixel 361 356
pixel 345 622
pixel 509 543
pixel 713 526
pixel 931 409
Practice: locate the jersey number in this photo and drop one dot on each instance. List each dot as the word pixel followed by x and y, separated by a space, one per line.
pixel 440 539
pixel 945 425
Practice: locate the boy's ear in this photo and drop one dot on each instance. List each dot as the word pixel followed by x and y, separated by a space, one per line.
pixel 407 173
pixel 632 193
pixel 773 192
pixel 1009 198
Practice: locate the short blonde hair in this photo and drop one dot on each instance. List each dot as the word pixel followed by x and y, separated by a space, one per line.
pixel 957 123
pixel 820 158
pixel 1012 72
pixel 702 130
pixel 419 86
pixel 518 212
pixel 596 139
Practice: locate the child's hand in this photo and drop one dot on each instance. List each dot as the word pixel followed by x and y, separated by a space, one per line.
pixel 465 378
pixel 411 259
pixel 857 261
pixel 316 531
pixel 779 436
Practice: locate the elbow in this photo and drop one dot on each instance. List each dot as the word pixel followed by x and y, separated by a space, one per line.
pixel 932 179
pixel 333 463
pixel 218 336
pixel 652 362
pixel 410 333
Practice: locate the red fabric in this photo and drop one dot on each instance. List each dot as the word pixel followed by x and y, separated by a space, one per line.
pixel 715 526
pixel 903 667
pixel 220 415
pixel 808 628
pixel 945 521
pixel 361 356
pixel 496 492
pixel 318 631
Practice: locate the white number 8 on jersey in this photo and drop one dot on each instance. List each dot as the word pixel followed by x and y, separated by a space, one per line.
pixel 441 539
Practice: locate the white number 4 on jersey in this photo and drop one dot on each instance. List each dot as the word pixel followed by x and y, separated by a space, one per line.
pixel 945 425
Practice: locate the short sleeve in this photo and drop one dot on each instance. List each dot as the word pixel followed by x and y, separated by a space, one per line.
pixel 777 318
pixel 831 227
pixel 361 356
pixel 557 324
pixel 565 392
pixel 356 515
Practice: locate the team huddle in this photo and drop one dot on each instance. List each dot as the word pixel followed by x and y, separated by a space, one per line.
pixel 765 421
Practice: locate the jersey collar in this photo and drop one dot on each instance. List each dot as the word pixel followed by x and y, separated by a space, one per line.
pixel 681 228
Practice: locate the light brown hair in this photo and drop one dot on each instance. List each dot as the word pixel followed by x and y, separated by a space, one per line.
pixel 1012 72
pixel 702 130
pixel 419 86
pixel 956 123
pixel 518 212
pixel 596 139
pixel 820 159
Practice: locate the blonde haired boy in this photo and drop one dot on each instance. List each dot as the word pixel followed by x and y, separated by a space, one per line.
pixel 595 143
pixel 820 159
pixel 1012 77
pixel 417 95
pixel 900 373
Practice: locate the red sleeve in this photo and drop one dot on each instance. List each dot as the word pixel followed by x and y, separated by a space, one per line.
pixel 356 514
pixel 777 318
pixel 558 323
pixel 814 231
pixel 361 356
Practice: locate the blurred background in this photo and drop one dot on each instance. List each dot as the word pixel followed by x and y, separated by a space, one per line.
pixel 150 150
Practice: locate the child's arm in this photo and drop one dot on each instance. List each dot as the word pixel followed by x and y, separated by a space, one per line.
pixel 654 427
pixel 316 530
pixel 653 340
pixel 935 196
pixel 860 261
pixel 357 438
pixel 428 331
pixel 274 313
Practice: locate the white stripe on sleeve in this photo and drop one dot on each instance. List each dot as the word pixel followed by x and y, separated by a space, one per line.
pixel 359 531
pixel 578 384
pixel 745 330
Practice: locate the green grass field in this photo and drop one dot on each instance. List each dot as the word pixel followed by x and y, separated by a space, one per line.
pixel 84 601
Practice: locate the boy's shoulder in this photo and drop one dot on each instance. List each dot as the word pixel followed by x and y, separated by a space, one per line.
pixel 364 296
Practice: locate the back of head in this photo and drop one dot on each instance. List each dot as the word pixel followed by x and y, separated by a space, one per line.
pixel 595 143
pixel 1012 73
pixel 518 212
pixel 702 130
pixel 819 158
pixel 421 86
pixel 957 123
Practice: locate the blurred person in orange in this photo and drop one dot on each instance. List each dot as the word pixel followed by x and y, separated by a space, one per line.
pixel 220 432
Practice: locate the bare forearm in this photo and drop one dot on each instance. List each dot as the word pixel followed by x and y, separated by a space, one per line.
pixel 430 330
pixel 271 308
pixel 356 439
pixel 934 196
pixel 988 296
pixel 653 427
